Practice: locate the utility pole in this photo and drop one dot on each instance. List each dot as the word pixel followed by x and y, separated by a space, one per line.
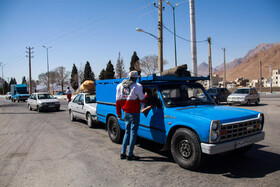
pixel 193 38
pixel 261 76
pixel 29 56
pixel 225 80
pixel 210 62
pixel 160 48
pixel 270 69
pixel 2 65
pixel 47 48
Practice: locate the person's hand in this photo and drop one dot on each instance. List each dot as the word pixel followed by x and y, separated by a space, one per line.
pixel 119 116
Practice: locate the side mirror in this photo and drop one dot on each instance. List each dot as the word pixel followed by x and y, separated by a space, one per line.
pixel 80 103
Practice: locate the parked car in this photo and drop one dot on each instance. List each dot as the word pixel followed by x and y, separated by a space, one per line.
pixel 8 95
pixel 244 96
pixel 83 106
pixel 43 101
pixel 218 94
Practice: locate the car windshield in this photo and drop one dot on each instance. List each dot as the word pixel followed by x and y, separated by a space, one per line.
pixel 242 91
pixel 178 95
pixel 212 91
pixel 90 98
pixel 45 96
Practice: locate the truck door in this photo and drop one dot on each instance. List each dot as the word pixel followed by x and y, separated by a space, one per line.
pixel 152 122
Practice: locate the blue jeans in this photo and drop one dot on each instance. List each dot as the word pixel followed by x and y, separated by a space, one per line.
pixel 131 128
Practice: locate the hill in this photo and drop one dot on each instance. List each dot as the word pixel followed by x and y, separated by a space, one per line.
pixel 248 66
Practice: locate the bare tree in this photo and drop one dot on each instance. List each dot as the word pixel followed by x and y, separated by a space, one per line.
pixel 43 78
pixel 53 79
pixel 81 72
pixel 149 64
pixel 62 76
pixel 120 72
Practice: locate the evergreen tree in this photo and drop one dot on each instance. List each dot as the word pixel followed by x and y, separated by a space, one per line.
pixel 74 78
pixel 134 63
pixel 110 71
pixel 88 74
pixel 102 75
pixel 120 72
pixel 24 80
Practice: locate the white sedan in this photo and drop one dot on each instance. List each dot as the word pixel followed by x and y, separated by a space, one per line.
pixel 42 101
pixel 83 106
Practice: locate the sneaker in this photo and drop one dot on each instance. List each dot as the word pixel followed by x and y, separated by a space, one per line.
pixel 123 156
pixel 132 157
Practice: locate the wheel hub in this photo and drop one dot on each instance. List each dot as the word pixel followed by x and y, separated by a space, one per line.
pixel 185 148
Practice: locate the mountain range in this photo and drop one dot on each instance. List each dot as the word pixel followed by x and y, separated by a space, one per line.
pixel 248 66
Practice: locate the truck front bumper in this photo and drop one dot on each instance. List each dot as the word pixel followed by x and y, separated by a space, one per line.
pixel 222 147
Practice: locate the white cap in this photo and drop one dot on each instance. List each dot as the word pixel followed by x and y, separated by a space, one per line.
pixel 133 74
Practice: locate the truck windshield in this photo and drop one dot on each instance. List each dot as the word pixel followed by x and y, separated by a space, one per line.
pixel 178 95
pixel 22 92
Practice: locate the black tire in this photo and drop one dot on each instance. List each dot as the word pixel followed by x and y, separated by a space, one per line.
pixel 114 130
pixel 257 102
pixel 38 109
pixel 57 109
pixel 89 121
pixel 248 102
pixel 185 149
pixel 72 117
pixel 218 101
pixel 29 107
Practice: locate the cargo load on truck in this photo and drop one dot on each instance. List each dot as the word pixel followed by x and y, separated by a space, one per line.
pixel 88 86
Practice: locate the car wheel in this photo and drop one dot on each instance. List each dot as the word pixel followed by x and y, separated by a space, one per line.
pixel 57 109
pixel 257 102
pixel 72 117
pixel 114 130
pixel 89 120
pixel 29 107
pixel 38 109
pixel 248 102
pixel 185 149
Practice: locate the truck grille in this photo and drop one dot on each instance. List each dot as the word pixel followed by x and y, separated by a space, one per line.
pixel 240 129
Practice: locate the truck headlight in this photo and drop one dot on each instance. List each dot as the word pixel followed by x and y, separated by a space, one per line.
pixel 215 125
pixel 214 136
pixel 214 131
pixel 261 117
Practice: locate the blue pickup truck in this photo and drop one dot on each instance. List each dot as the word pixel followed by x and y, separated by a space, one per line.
pixel 183 122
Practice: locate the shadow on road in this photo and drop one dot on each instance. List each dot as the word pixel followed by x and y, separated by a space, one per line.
pixel 255 164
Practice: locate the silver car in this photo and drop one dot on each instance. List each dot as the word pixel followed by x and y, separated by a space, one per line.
pixel 83 106
pixel 244 96
pixel 43 101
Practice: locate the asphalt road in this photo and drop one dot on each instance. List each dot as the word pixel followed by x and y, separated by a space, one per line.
pixel 47 149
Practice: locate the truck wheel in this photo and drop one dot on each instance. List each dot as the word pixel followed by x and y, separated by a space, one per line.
pixel 72 118
pixel 114 130
pixel 89 120
pixel 185 149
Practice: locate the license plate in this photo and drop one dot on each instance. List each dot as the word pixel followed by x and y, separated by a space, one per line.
pixel 51 106
pixel 242 143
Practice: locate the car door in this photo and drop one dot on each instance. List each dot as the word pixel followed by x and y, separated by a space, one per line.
pixel 80 107
pixel 74 105
pixel 32 101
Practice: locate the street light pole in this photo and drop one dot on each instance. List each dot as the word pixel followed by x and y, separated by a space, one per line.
pixel 140 30
pixel 173 8
pixel 47 48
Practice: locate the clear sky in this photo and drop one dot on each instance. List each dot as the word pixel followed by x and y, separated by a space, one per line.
pixel 96 31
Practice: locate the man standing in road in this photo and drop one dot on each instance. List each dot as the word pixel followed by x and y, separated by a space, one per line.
pixel 69 94
pixel 128 98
